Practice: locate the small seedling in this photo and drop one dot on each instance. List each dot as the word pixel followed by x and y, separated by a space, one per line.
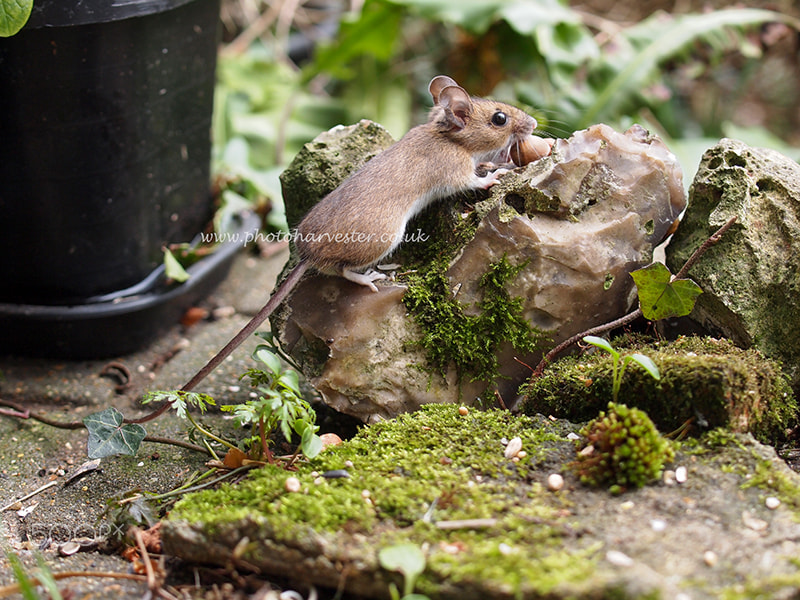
pixel 407 559
pixel 280 405
pixel 621 362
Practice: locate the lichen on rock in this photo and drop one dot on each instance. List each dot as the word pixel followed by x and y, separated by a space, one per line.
pixel 751 278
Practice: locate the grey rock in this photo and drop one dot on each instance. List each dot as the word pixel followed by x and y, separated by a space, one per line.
pixel 576 223
pixel 751 278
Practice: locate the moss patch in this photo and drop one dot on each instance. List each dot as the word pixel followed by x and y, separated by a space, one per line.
pixel 409 474
pixel 704 382
pixel 470 342
pixel 426 478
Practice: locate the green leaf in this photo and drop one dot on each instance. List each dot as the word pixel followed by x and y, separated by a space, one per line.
pixel 46 579
pixel 601 343
pixel 407 559
pixel 311 444
pixel 13 15
pixel 646 363
pixel 26 586
pixel 108 436
pixel 272 362
pixel 660 297
pixel 174 269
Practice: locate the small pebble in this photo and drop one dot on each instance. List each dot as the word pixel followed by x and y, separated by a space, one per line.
pixel 292 484
pixel 620 559
pixel 573 436
pixel 348 464
pixel 681 475
pixel 223 312
pixel 710 558
pixel 463 411
pixel 336 474
pixel 513 448
pixel 627 505
pixel 772 502
pixel 522 454
pixel 668 477
pixel 555 482
pixel 234 388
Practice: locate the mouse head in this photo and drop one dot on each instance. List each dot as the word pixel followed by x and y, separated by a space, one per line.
pixel 484 127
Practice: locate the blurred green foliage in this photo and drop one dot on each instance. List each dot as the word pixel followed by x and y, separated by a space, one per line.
pixel 567 68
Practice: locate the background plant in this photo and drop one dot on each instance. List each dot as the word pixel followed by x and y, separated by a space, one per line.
pixel 566 66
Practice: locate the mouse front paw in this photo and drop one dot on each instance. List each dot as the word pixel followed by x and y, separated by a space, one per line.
pixel 490 178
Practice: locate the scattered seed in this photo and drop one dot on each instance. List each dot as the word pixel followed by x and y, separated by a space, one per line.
pixel 668 477
pixel 505 549
pixel 292 484
pixel 69 548
pixel 710 558
pixel 365 494
pixel 681 475
pixel 619 559
pixel 522 454
pixel 753 523
pixel 588 451
pixel 513 448
pixel 463 411
pixel 627 505
pixel 772 502
pixel 555 482
pixel 658 524
pixel 348 464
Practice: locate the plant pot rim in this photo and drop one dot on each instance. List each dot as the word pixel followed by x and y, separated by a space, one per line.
pixel 64 13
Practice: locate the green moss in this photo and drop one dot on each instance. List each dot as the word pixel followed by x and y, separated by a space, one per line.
pixel 451 336
pixel 623 450
pixel 431 466
pixel 705 383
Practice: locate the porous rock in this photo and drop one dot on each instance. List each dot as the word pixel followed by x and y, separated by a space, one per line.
pixel 574 224
pixel 751 278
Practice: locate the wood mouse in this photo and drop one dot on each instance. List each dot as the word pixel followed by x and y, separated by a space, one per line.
pixel 363 220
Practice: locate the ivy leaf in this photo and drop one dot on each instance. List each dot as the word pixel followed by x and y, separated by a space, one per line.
pixel 108 436
pixel 660 297
pixel 13 15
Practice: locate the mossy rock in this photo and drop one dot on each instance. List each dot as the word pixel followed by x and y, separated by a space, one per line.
pixel 705 382
pixel 488 526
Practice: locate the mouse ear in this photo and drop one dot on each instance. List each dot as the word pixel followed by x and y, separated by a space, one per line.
pixel 457 105
pixel 437 84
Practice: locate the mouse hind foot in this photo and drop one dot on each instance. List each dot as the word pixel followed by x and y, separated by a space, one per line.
pixel 364 279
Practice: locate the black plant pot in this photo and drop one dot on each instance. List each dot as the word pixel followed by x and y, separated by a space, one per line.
pixel 105 114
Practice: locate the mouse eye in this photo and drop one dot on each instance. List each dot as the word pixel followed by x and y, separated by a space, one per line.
pixel 499 118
